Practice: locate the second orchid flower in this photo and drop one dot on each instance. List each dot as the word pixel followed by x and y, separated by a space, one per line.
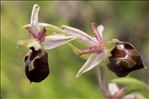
pixel 121 57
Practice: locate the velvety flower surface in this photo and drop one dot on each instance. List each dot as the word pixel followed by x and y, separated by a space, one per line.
pixel 124 59
pixel 36 65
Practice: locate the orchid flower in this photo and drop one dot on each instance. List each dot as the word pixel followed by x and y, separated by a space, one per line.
pixel 96 46
pixel 38 36
pixel 36 60
pixel 121 57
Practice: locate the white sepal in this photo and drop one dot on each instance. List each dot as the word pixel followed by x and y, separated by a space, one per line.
pixel 49 27
pixel 92 61
pixel 56 41
pixel 34 19
pixel 80 35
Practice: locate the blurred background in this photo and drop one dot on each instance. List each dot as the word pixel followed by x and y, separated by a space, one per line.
pixel 126 21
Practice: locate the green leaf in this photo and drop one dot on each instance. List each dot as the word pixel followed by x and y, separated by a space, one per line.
pixel 133 85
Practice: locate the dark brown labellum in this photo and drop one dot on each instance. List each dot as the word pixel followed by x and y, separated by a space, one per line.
pixel 36 65
pixel 124 59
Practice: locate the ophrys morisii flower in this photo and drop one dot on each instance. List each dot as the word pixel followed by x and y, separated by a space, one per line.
pixel 120 57
pixel 36 60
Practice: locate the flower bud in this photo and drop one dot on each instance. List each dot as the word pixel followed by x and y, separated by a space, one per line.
pixel 124 59
pixel 36 65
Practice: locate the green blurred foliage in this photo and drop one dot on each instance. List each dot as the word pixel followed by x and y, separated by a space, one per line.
pixel 127 21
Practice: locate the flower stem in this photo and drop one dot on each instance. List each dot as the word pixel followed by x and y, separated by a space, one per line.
pixel 102 82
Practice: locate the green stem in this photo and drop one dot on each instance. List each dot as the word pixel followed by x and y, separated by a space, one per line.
pixel 102 82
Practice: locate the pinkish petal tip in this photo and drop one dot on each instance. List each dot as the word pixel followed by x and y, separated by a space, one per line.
pixel 95 31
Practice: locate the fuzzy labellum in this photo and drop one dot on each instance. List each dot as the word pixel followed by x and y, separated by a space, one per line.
pixel 36 65
pixel 124 59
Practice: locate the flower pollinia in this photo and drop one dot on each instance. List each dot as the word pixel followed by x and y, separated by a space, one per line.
pixel 36 60
pixel 120 57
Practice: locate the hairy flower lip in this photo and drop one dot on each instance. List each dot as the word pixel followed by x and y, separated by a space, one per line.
pixel 122 64
pixel 36 65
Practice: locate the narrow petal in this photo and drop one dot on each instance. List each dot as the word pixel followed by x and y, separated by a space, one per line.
pixel 100 30
pixel 56 41
pixel 80 34
pixel 97 33
pixel 31 33
pixel 49 27
pixel 29 43
pixel 34 19
pixel 92 61
pixel 94 49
